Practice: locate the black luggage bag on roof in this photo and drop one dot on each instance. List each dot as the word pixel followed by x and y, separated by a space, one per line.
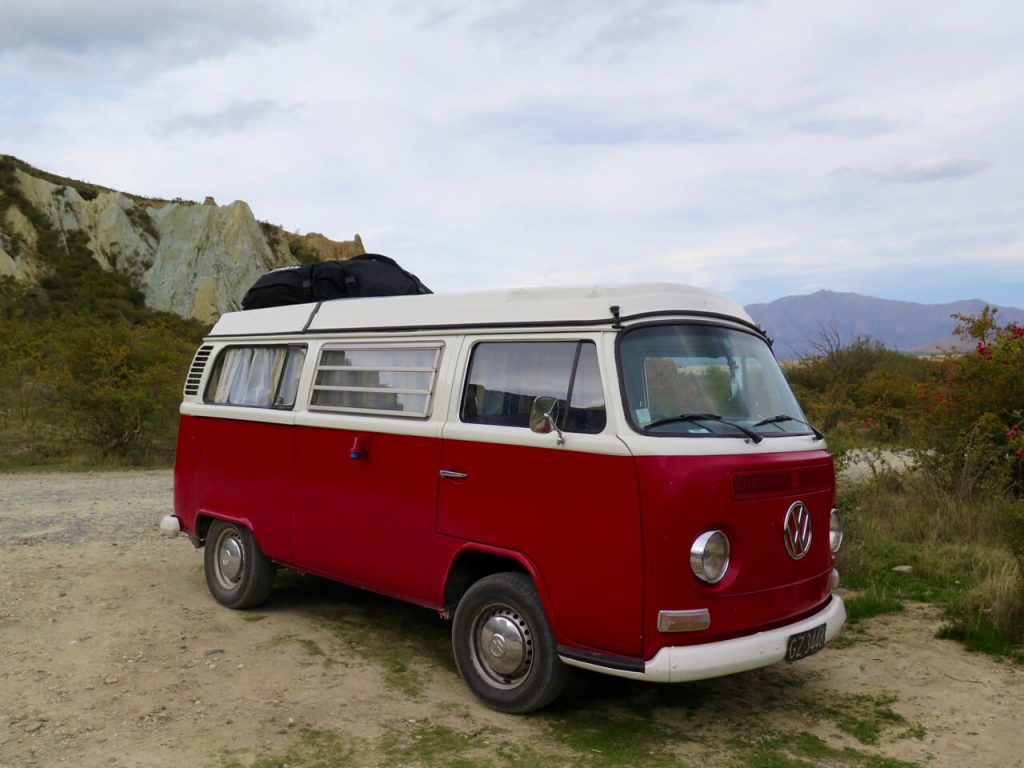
pixel 367 275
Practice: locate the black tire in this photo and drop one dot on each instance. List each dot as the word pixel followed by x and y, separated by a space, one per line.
pixel 504 647
pixel 238 574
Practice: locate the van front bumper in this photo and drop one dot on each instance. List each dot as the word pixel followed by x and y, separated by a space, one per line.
pixel 681 663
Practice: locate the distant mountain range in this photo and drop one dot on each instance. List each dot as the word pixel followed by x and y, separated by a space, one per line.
pixel 797 322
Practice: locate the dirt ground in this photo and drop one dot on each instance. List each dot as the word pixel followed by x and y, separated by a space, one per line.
pixel 113 653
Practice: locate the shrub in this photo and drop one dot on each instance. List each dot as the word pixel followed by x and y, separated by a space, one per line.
pixel 861 389
pixel 120 386
pixel 959 521
pixel 968 427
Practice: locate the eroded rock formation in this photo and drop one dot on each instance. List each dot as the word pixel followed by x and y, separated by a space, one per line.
pixel 193 259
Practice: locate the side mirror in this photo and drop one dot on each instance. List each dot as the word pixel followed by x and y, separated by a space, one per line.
pixel 543 414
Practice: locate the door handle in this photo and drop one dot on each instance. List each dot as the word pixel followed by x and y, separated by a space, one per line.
pixel 450 475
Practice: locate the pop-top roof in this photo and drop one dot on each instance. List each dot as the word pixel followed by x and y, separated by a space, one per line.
pixel 576 306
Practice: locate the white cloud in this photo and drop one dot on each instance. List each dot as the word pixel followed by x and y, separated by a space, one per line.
pixel 529 142
pixel 232 118
pixel 930 169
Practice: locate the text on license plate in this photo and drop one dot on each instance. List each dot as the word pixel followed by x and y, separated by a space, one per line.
pixel 803 644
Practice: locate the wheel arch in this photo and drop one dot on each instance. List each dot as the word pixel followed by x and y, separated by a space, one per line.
pixel 471 565
pixel 474 562
pixel 206 518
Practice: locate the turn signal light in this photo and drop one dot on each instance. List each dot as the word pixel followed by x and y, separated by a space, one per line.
pixel 684 621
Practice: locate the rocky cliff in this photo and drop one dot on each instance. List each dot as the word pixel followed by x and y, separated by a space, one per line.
pixel 195 260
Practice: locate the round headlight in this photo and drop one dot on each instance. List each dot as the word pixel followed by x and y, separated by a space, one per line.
pixel 709 556
pixel 835 531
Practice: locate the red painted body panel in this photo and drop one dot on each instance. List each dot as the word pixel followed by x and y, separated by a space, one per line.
pixel 683 496
pixel 607 538
pixel 237 470
pixel 367 521
pixel 573 515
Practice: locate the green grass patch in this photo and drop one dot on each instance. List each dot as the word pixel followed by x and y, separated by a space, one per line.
pixel 315 748
pixel 311 647
pixel 913 732
pixel 431 745
pixel 439 745
pixel 957 552
pixel 978 634
pixel 399 638
pixel 617 737
pixel 805 750
pixel 748 720
pixel 870 604
pixel 864 717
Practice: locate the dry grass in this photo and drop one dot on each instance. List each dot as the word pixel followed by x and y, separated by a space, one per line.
pixel 960 552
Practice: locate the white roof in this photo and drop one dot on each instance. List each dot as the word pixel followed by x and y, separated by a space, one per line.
pixel 578 306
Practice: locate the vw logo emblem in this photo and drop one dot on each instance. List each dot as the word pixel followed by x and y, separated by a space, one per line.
pixel 496 646
pixel 796 530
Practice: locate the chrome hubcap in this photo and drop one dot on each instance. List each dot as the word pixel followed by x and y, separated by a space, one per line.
pixel 503 646
pixel 229 559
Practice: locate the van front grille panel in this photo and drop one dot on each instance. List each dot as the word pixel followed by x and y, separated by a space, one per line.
pixel 815 478
pixel 762 483
pixel 781 482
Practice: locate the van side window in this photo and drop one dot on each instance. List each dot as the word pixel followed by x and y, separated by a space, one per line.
pixel 586 403
pixel 392 381
pixel 256 376
pixel 505 377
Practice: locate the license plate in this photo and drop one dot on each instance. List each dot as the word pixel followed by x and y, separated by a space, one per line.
pixel 803 644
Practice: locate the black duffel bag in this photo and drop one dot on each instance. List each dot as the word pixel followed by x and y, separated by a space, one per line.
pixel 367 275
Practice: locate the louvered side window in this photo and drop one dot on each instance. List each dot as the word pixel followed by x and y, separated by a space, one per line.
pixel 386 381
pixel 195 372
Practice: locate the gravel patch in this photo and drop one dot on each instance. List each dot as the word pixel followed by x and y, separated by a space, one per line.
pixel 70 508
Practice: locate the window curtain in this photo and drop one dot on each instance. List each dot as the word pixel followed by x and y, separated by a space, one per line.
pixel 249 374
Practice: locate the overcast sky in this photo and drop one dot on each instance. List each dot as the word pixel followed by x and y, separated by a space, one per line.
pixel 759 148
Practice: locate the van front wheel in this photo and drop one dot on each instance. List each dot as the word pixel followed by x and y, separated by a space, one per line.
pixel 504 647
pixel 238 574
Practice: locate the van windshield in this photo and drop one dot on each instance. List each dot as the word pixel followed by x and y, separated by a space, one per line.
pixel 706 381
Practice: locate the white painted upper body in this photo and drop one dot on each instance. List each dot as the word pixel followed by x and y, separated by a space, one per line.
pixel 533 306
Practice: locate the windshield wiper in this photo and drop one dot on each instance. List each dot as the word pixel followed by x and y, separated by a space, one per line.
pixel 695 417
pixel 783 417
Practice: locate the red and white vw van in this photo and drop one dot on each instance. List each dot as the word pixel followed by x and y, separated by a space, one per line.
pixel 617 479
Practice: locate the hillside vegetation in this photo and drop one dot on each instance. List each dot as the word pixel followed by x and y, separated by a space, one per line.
pixel 94 284
pixel 90 374
pixel 953 526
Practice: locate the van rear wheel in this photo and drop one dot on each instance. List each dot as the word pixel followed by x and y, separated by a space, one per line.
pixel 503 646
pixel 238 574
